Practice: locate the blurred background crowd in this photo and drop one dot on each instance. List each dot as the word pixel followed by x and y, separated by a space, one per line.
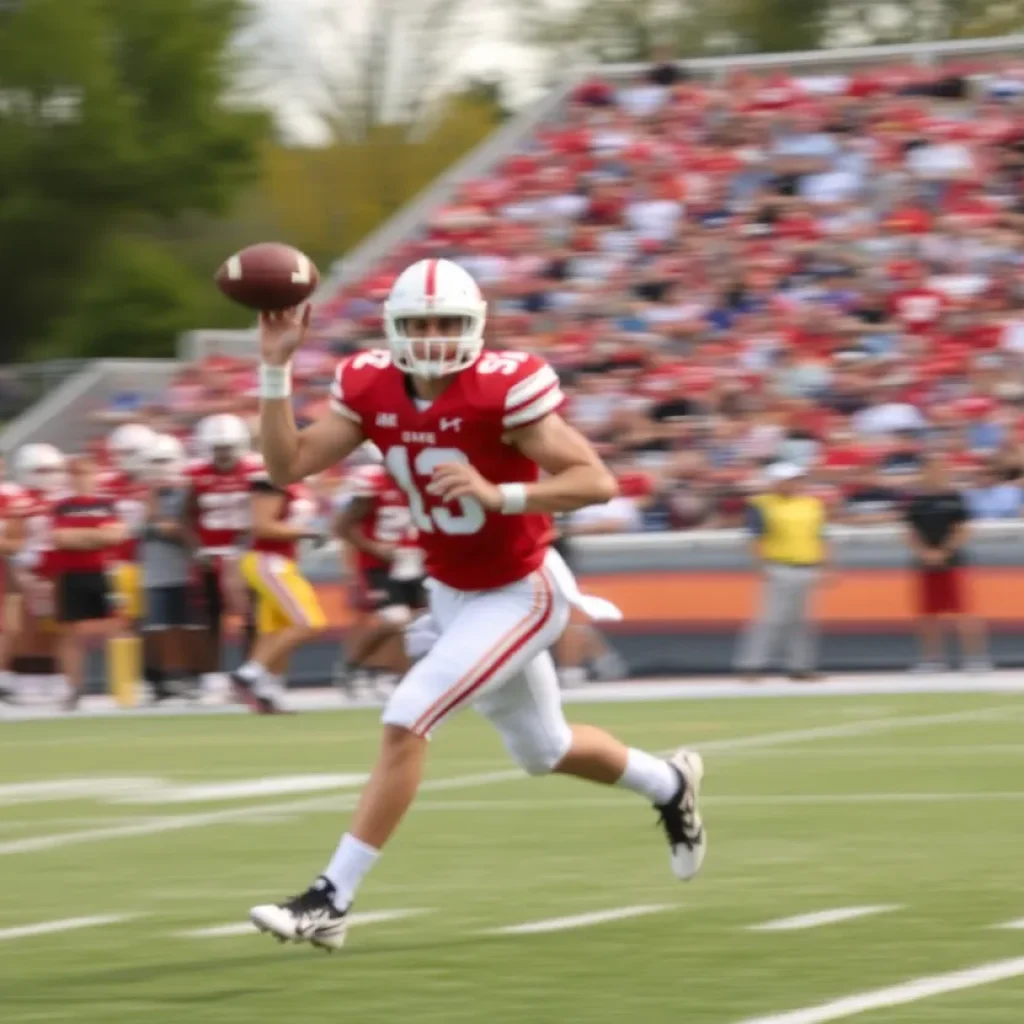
pixel 824 268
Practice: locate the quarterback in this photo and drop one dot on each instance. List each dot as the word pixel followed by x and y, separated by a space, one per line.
pixel 466 434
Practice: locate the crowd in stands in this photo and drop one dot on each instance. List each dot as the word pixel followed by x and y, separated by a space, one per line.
pixel 826 269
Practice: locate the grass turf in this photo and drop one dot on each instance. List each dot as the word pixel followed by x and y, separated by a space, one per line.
pixel 926 816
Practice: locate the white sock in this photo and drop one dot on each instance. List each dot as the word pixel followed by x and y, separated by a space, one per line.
pixel 251 671
pixel 650 777
pixel 350 863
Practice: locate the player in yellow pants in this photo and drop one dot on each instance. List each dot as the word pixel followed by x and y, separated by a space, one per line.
pixel 288 612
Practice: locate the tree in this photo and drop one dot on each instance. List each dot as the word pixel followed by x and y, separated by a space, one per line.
pixel 134 301
pixel 350 68
pixel 602 31
pixel 111 117
pixel 876 21
pixel 326 198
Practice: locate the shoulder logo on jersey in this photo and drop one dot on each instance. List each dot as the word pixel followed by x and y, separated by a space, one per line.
pixel 387 420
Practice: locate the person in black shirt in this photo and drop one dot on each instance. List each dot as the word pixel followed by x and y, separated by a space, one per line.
pixel 938 521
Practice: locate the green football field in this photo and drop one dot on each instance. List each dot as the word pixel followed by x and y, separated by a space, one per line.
pixel 897 822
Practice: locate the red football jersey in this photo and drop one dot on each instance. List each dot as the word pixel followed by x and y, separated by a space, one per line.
pixel 35 510
pixel 465 546
pixel 223 502
pixel 388 520
pixel 299 508
pixel 82 512
pixel 129 496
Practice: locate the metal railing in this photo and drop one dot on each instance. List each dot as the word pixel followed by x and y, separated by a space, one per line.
pixel 65 416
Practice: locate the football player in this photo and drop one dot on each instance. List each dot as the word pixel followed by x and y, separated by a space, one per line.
pixel 41 474
pixel 11 497
pixel 218 516
pixel 125 485
pixel 166 561
pixel 86 531
pixel 466 434
pixel 288 612
pixel 374 522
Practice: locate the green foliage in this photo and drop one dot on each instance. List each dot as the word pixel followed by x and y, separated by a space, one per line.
pixel 134 301
pixel 110 111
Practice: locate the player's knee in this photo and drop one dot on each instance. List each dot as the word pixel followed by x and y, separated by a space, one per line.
pixel 540 755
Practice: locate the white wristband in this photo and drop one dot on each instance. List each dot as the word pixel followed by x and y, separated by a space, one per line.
pixel 275 381
pixel 513 499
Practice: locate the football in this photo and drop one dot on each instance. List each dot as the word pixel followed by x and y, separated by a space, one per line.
pixel 268 276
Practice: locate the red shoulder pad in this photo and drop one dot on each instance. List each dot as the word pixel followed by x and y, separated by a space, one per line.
pixel 524 385
pixel 354 381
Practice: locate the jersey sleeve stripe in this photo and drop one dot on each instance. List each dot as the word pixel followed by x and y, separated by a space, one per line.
pixel 530 388
pixel 536 410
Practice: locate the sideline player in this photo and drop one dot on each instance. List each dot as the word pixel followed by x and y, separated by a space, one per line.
pixel 85 531
pixel 218 518
pixel 166 562
pixel 126 486
pixel 288 612
pixel 374 521
pixel 466 434
pixel 39 474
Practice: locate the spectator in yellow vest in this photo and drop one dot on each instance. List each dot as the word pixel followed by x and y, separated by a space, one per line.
pixel 787 528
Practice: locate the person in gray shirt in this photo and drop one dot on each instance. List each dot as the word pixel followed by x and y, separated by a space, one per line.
pixel 165 561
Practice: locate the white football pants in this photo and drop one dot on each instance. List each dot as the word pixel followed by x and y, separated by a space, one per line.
pixel 490 650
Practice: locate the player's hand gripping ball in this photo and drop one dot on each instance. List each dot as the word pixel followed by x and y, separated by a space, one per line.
pixel 268 276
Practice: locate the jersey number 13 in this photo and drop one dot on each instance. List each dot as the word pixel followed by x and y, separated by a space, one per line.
pixel 467 514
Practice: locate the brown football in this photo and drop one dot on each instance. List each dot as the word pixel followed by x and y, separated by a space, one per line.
pixel 267 276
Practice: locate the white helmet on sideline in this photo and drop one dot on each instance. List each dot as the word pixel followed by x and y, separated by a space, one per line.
pixel 165 460
pixel 128 446
pixel 40 467
pixel 223 439
pixel 434 319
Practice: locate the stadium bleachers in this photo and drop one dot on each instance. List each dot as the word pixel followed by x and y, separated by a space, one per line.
pixel 806 261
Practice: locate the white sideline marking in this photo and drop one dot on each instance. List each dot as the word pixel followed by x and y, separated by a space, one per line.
pixel 1012 926
pixel 174 823
pixel 153 826
pixel 561 924
pixel 71 789
pixel 225 931
pixel 819 918
pixel 898 995
pixel 66 924
pixel 163 792
pixel 863 727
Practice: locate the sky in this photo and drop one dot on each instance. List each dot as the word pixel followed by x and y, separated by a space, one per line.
pixel 291 27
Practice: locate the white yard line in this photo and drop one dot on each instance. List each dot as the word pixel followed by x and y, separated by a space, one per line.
pixel 175 823
pixel 1012 926
pixel 152 826
pixel 864 727
pixel 898 995
pixel 65 924
pixel 801 922
pixel 225 931
pixel 561 924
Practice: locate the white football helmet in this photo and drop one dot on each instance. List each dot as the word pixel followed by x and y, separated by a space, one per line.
pixel 223 439
pixel 165 461
pixel 40 467
pixel 128 446
pixel 441 292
